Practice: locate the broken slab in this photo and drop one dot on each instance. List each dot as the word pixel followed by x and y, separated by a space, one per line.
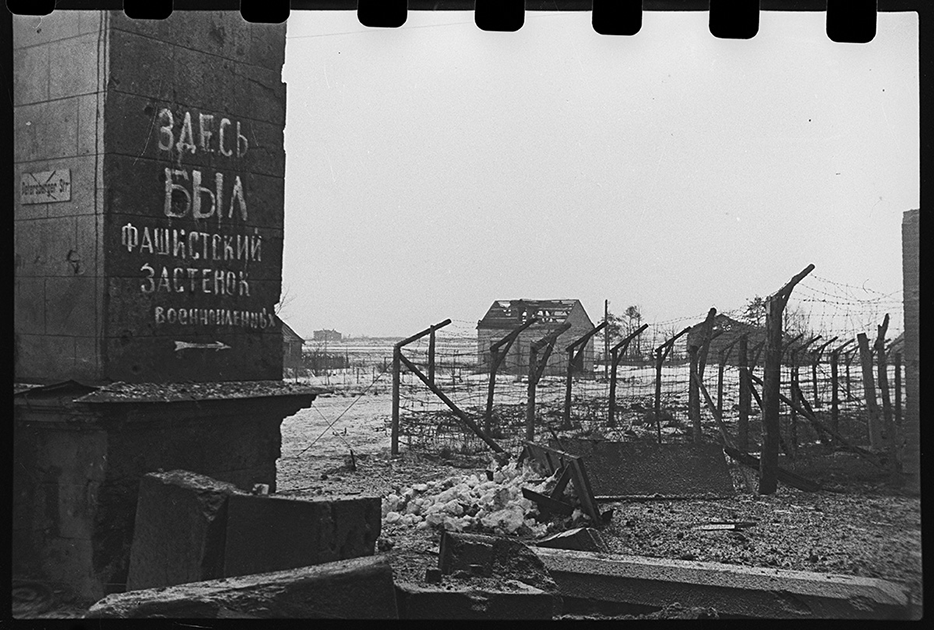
pixel 270 533
pixel 577 539
pixel 181 520
pixel 496 556
pixel 359 588
pixel 733 591
pixel 474 599
pixel 619 470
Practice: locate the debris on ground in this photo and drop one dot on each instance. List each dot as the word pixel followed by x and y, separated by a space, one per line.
pixel 469 503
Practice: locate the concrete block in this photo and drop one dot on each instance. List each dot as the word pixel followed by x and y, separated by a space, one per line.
pixel 358 588
pixel 733 591
pixel 274 533
pixel 31 79
pixel 73 66
pixel 625 469
pixel 509 599
pixel 578 539
pixel 178 537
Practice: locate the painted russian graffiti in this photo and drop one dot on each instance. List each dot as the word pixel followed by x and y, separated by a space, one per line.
pixel 203 245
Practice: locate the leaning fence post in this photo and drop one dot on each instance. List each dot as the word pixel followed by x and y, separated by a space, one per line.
pixel 394 429
pixel 744 402
pixel 869 389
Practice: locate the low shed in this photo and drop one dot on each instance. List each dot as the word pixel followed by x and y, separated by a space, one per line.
pixel 292 345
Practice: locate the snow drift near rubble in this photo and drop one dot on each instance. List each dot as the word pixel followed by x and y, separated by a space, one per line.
pixel 467 503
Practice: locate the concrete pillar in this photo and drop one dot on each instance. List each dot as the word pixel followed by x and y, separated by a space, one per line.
pixel 149 165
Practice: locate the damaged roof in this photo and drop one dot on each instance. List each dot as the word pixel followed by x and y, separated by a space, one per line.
pixel 511 313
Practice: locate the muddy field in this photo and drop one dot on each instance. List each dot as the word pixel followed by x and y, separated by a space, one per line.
pixel 858 525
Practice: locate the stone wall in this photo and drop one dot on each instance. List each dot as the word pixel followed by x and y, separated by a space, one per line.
pixel 58 298
pixel 74 513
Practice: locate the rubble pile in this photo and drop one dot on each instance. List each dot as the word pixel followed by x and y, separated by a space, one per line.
pixel 468 503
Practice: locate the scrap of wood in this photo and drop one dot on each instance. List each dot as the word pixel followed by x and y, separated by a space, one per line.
pixel 547 504
pixel 562 483
pixel 731 526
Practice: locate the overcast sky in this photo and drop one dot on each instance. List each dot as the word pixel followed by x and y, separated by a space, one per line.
pixel 435 168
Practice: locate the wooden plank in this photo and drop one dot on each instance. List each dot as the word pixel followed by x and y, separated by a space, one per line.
pixel 584 491
pixel 547 504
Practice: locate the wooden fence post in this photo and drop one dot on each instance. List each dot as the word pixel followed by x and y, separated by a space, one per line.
pixel 617 353
pixel 498 353
pixel 720 368
pixel 537 367
pixel 869 389
pixel 815 360
pixel 575 351
pixel 394 428
pixel 834 394
pixel 881 364
pixel 744 398
pixel 659 360
pixel 431 356
pixel 768 462
pixel 611 403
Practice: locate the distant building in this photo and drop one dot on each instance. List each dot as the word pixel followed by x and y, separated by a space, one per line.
pixel 292 346
pixel 504 316
pixel 327 335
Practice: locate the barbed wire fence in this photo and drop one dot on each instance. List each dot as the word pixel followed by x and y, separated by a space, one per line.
pixel 651 390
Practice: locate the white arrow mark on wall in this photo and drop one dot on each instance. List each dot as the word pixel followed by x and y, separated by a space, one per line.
pixel 217 345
